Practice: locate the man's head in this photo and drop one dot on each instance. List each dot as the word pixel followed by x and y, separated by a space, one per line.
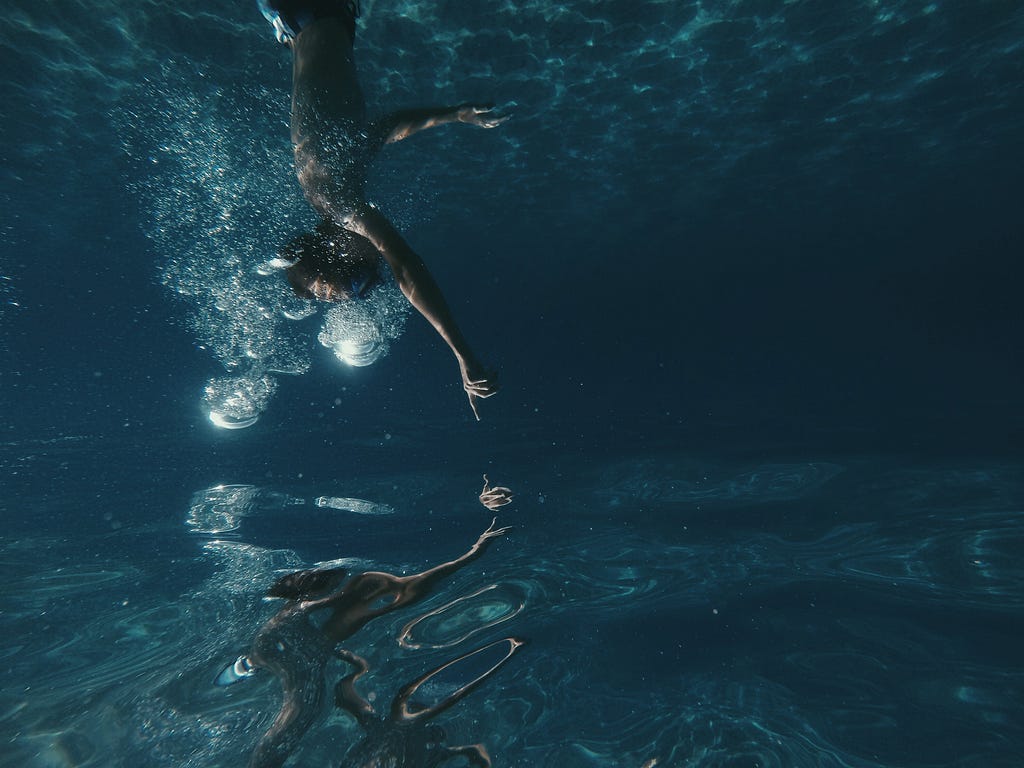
pixel 331 264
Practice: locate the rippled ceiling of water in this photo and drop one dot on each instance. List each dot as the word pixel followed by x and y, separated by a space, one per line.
pixel 661 101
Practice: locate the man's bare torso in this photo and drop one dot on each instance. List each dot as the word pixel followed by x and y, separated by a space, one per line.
pixel 329 128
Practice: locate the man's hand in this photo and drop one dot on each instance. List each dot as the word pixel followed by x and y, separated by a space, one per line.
pixel 492 498
pixel 481 115
pixel 478 383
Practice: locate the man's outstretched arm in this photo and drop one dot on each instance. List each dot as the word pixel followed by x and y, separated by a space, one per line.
pixel 425 295
pixel 404 123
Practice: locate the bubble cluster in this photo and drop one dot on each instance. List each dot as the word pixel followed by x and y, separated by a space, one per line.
pixel 218 197
pixel 361 332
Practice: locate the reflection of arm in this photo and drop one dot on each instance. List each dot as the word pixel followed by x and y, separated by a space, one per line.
pixel 499 652
pixel 417 586
pixel 372 594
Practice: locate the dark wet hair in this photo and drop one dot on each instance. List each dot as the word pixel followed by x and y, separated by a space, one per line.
pixel 307 584
pixel 345 260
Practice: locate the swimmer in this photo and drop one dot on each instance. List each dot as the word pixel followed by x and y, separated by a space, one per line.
pixel 296 649
pixel 334 146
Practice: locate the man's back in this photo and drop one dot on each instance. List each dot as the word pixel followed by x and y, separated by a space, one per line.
pixel 329 127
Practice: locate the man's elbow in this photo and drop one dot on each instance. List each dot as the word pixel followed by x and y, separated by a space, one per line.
pixel 399 132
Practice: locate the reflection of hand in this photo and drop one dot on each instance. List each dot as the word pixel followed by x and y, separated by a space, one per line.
pixel 481 115
pixel 478 383
pixel 492 498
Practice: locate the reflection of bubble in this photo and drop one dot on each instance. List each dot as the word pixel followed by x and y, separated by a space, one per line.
pixel 236 402
pixel 453 679
pixel 222 508
pixel 219 509
pixel 360 331
pixel 358 506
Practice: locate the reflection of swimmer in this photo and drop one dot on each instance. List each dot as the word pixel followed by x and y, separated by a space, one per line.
pixel 296 650
pixel 334 145
pixel 403 737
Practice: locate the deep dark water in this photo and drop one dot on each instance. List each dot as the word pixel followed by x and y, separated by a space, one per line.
pixel 750 272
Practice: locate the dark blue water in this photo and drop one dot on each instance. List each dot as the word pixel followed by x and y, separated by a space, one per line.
pixel 750 272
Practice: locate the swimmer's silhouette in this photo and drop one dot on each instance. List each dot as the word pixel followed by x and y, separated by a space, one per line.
pixel 334 146
pixel 296 650
pixel 404 739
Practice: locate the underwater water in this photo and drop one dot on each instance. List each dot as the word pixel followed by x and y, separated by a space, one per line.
pixel 750 272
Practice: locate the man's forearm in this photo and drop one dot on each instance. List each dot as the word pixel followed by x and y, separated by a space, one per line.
pixel 425 295
pixel 406 122
pixel 414 279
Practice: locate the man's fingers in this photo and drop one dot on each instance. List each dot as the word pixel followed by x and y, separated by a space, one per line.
pixel 494 122
pixel 497 493
pixel 473 392
pixel 491 531
pixel 479 388
pixel 492 498
pixel 487 117
pixel 494 502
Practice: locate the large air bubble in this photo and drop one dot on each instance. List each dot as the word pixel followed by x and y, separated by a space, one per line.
pixel 360 332
pixel 236 402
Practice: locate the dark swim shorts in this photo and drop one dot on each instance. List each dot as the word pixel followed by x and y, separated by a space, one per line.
pixel 289 17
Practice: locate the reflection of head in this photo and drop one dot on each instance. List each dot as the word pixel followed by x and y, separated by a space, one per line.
pixel 331 263
pixel 307 584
